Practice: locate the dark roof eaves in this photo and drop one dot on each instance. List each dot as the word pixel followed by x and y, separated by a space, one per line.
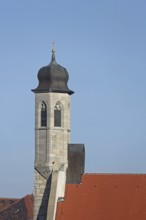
pixel 70 92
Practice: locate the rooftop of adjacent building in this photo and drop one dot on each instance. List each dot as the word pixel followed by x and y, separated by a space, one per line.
pixel 105 196
pixel 5 202
pixel 99 196
pixel 17 209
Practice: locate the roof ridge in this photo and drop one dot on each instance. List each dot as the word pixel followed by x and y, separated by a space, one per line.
pixel 18 200
pixel 10 205
pixel 9 198
pixel 6 202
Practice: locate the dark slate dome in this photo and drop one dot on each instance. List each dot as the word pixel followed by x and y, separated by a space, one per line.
pixel 53 78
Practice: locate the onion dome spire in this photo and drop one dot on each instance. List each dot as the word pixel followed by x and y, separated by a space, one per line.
pixel 53 77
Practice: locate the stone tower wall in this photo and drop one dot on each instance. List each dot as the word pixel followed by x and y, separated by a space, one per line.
pixel 51 149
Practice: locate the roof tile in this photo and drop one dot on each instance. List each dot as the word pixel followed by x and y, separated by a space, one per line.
pixel 105 197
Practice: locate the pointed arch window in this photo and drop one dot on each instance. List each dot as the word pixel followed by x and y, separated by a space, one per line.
pixel 58 114
pixel 44 114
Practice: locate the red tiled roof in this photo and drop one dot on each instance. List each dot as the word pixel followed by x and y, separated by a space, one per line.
pixel 105 197
pixel 20 209
pixel 98 197
pixel 5 202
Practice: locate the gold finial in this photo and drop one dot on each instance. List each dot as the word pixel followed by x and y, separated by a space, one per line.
pixel 53 46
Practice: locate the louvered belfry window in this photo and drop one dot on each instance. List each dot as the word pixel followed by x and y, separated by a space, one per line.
pixel 43 114
pixel 57 121
pixel 58 114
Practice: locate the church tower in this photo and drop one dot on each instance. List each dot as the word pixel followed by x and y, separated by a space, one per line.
pixel 52 136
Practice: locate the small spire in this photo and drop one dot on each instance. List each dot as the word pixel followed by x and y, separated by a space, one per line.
pixel 53 52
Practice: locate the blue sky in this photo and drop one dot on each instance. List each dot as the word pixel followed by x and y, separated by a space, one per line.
pixel 102 44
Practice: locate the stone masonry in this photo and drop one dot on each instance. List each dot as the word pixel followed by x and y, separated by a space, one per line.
pixel 51 146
